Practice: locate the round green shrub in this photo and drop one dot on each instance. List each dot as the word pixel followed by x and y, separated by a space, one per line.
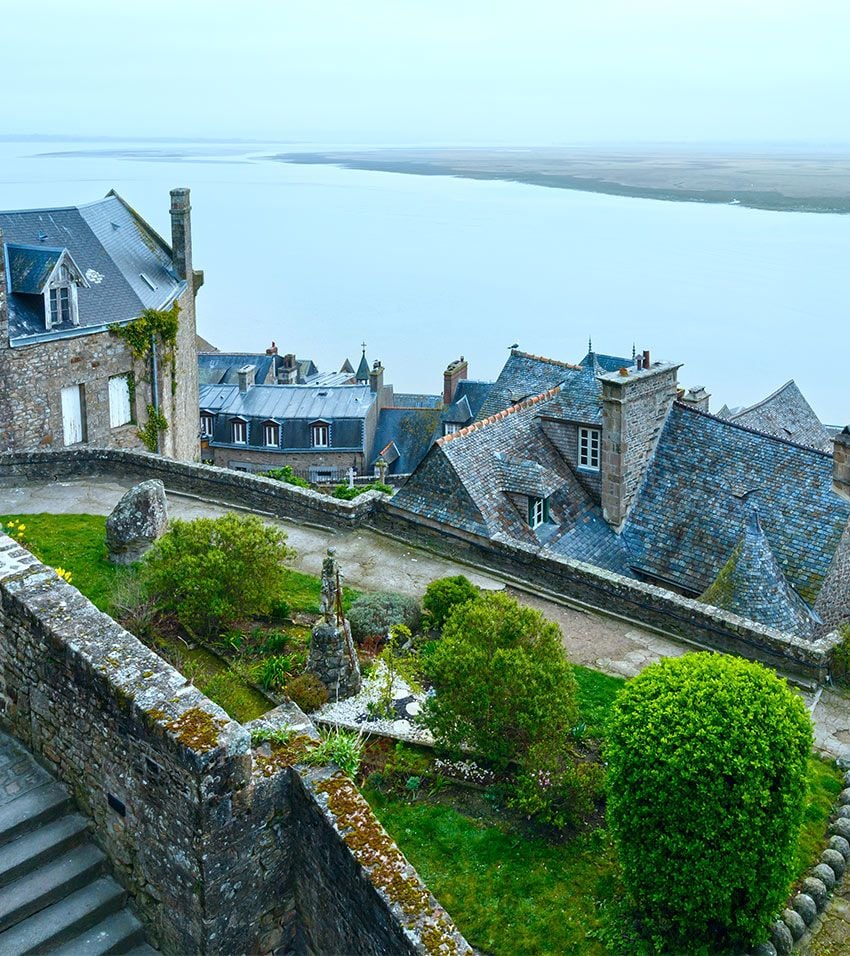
pixel 502 680
pixel 308 692
pixel 372 615
pixel 706 789
pixel 444 595
pixel 214 572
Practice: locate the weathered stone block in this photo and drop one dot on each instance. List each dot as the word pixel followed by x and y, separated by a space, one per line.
pixel 805 905
pixel 795 923
pixel 780 936
pixel 138 519
pixel 835 861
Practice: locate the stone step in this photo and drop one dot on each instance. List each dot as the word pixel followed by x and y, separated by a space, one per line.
pixel 64 919
pixel 49 883
pixel 40 846
pixel 31 810
pixel 118 933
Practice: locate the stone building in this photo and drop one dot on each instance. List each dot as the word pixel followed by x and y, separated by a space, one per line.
pixel 67 275
pixel 611 469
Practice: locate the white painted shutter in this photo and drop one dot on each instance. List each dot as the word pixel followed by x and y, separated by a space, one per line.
pixel 72 415
pixel 119 401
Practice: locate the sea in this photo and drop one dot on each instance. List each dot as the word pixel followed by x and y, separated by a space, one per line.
pixel 421 270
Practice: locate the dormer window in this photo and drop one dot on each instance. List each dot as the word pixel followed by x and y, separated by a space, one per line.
pixel 449 428
pixel 589 440
pixel 320 434
pixel 60 294
pixel 239 431
pixel 207 424
pixel 271 434
pixel 538 512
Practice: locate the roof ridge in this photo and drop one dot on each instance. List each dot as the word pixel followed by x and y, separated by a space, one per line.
pixel 753 431
pixel 543 358
pixel 520 406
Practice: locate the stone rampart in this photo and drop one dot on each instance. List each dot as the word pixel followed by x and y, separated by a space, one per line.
pixel 645 604
pixel 223 851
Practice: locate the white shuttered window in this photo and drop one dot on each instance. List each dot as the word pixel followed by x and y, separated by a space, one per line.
pixel 119 401
pixel 72 414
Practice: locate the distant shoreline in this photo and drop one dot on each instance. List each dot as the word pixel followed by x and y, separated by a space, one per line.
pixel 764 199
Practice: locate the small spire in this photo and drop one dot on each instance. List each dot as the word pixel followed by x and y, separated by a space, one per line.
pixel 634 351
pixel 589 345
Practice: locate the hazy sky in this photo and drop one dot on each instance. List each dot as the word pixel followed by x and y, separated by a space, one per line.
pixel 483 71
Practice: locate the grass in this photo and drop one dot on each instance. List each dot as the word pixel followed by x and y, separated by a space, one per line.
pixel 303 593
pixel 596 693
pixel 825 784
pixel 508 893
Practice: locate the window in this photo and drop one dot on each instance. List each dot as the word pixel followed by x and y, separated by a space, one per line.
pixel 321 435
pixel 538 511
pixel 61 299
pixel 271 434
pixel 120 412
pixel 588 448
pixel 74 414
pixel 238 432
pixel 207 425
pixel 449 428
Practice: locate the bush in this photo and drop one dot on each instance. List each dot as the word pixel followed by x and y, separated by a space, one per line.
pixel 349 494
pixel 308 692
pixel 372 615
pixel 212 572
pixel 444 595
pixel 274 672
pixel 342 747
pixel 502 679
pixel 707 784
pixel 554 788
pixel 286 475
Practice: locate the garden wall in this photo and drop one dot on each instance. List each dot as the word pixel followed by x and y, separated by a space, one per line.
pixel 221 854
pixel 643 603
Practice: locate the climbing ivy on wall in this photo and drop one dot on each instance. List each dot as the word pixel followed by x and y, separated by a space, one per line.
pixel 153 328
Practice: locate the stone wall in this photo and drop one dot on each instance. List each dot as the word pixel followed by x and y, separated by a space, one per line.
pixel 223 851
pixel 308 461
pixel 643 603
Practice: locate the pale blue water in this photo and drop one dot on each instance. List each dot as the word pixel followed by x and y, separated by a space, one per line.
pixel 425 269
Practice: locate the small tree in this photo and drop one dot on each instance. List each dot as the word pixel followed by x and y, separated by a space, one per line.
pixel 212 572
pixel 444 595
pixel 706 788
pixel 502 679
pixel 372 615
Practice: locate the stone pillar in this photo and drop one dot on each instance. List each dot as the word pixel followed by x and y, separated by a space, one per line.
pixel 635 404
pixel 841 463
pixel 332 656
pixel 4 314
pixel 181 233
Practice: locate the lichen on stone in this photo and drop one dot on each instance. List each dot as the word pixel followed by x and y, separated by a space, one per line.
pixel 196 729
pixel 282 755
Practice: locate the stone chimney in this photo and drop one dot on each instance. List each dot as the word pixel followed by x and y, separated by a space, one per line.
pixel 841 463
pixel 247 377
pixel 635 403
pixel 4 313
pixel 454 372
pixel 288 371
pixel 696 397
pixel 181 233
pixel 376 377
pixel 272 350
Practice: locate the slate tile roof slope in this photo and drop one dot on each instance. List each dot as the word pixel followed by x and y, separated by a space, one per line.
pixel 784 414
pixel 606 363
pixel 411 430
pixel 112 246
pixel 222 368
pixel 416 400
pixel 523 376
pixel 474 392
pixel 752 584
pixel 579 399
pixel 467 479
pixel 30 267
pixel 288 401
pixel 688 515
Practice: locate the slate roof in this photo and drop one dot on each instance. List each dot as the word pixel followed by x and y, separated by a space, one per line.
pixel 688 515
pixel 416 400
pixel 112 247
pixel 475 392
pixel 523 376
pixel 579 399
pixel 362 369
pixel 403 436
pixel 784 414
pixel 606 363
pixel 279 402
pixel 752 585
pixel 30 267
pixel 222 368
pixel 480 478
pixel 458 413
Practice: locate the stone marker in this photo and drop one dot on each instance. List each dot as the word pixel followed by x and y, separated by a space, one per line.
pixel 138 519
pixel 332 657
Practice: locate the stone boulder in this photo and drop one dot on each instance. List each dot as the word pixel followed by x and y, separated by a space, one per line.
pixel 138 519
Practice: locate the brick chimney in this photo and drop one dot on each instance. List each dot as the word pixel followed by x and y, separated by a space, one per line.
pixel 635 403
pixel 376 377
pixel 841 463
pixel 247 377
pixel 4 313
pixel 454 372
pixel 181 233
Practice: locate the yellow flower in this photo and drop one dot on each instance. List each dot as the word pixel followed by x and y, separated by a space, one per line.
pixel 22 527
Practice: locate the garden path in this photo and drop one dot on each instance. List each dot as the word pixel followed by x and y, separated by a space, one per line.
pixel 374 562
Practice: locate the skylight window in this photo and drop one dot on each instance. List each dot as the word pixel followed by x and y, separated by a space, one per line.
pixel 148 281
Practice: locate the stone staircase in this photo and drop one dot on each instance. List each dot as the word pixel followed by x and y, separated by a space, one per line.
pixel 56 895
